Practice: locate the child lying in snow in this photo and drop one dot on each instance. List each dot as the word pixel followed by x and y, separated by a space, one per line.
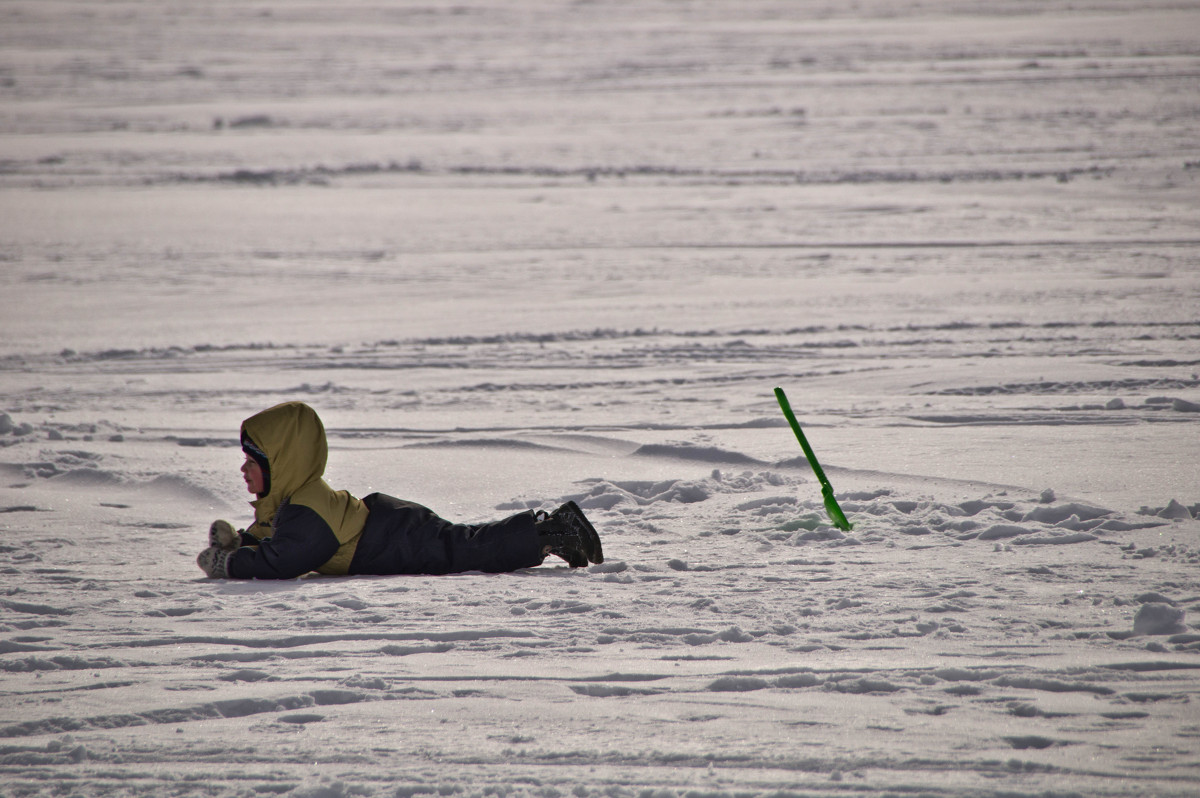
pixel 301 524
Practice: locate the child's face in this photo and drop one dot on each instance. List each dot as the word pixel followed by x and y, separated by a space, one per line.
pixel 252 473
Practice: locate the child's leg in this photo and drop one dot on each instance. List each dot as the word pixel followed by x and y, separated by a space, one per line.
pixel 494 547
pixel 401 537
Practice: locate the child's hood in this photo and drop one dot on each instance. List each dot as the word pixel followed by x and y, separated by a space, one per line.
pixel 292 437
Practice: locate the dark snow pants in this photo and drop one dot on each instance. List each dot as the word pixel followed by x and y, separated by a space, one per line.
pixel 401 537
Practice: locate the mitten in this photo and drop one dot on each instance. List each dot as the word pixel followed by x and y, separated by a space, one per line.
pixel 215 562
pixel 222 535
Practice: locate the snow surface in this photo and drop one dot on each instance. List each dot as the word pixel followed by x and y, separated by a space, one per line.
pixel 515 252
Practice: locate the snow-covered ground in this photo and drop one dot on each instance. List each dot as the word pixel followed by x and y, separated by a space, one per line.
pixel 515 252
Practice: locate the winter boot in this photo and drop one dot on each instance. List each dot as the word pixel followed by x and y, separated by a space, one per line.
pixel 568 534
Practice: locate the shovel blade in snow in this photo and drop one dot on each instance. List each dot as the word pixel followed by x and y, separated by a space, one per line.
pixel 835 511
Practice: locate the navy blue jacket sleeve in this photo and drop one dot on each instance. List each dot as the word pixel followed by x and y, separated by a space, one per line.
pixel 302 542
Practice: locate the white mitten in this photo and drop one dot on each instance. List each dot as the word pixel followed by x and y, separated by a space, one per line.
pixel 222 535
pixel 215 562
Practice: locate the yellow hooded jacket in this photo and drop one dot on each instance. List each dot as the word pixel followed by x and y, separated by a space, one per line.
pixel 292 437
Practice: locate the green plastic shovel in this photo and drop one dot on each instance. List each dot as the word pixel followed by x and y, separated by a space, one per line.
pixel 831 506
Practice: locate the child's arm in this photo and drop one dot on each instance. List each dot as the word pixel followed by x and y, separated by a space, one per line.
pixel 302 542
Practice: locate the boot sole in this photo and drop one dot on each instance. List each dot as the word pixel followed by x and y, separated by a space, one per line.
pixel 595 552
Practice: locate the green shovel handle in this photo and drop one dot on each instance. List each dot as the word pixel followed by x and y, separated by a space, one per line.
pixel 831 506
